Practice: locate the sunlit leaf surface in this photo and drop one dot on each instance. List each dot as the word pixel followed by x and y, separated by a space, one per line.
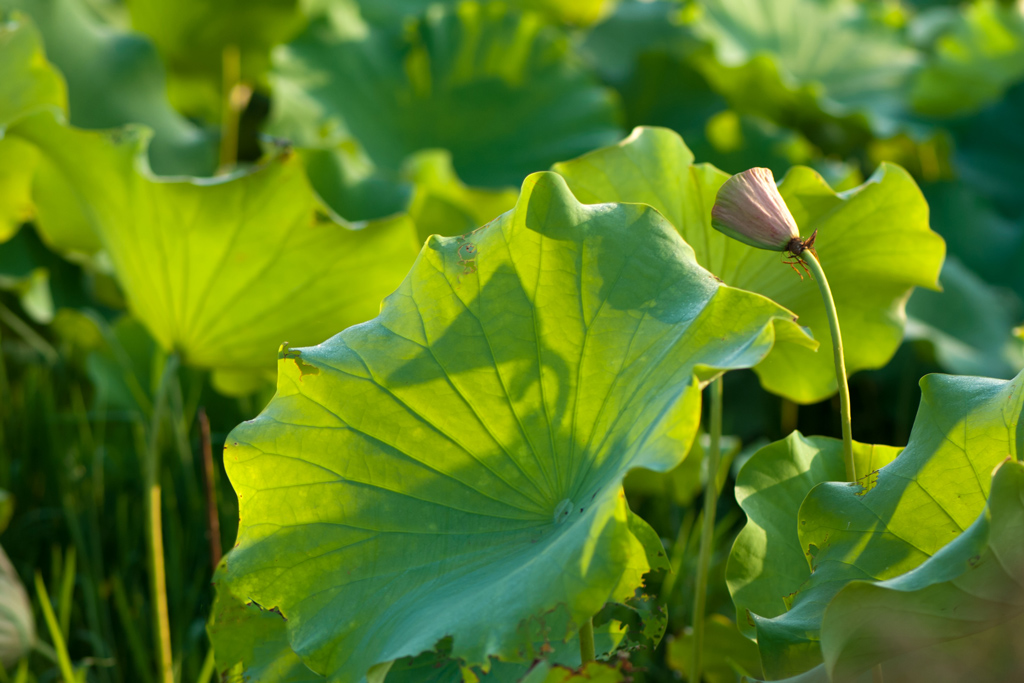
pixel 28 83
pixel 224 271
pixel 454 467
pixel 873 242
pixel 904 527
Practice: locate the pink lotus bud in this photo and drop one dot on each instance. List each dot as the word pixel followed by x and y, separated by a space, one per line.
pixel 750 209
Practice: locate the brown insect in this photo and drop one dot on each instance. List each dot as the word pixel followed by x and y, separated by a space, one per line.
pixel 795 248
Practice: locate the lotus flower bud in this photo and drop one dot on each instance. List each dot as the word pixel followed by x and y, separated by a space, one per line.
pixel 750 209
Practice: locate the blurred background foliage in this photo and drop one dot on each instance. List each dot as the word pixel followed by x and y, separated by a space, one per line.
pixel 391 120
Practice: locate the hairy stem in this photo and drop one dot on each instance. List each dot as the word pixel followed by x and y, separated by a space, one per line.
pixel 837 347
pixel 587 642
pixel 707 534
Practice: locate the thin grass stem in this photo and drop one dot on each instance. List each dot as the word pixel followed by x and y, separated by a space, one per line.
pixel 61 648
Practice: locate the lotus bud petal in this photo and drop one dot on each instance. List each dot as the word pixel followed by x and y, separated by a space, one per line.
pixel 750 209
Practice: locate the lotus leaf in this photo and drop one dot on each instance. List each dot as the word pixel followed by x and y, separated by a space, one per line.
pixel 974 62
pixel 201 260
pixel 501 90
pixel 454 467
pixel 797 60
pixel 28 83
pixel 905 516
pixel 116 78
pixel 873 242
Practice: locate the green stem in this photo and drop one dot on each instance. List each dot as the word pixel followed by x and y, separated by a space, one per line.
pixel 154 529
pixel 209 666
pixel 231 64
pixel 587 642
pixel 707 534
pixel 837 347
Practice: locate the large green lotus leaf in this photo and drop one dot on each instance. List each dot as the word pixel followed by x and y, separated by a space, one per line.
pixel 902 514
pixel 767 565
pixel 251 644
pixel 454 466
pixel 797 60
pixel 873 241
pixel 223 271
pixel 28 83
pixel 973 62
pixel 969 324
pixel 501 90
pixel 191 36
pixel 972 584
pixel 115 78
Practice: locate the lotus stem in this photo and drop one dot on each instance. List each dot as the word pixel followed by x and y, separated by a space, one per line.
pixel 232 103
pixel 808 256
pixel 154 529
pixel 212 516
pixel 707 534
pixel 587 653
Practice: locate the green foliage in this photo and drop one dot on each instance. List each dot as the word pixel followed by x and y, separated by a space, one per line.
pixel 199 261
pixel 902 531
pixel 526 374
pixel 500 90
pixel 969 324
pixel 28 83
pixel 115 78
pixel 580 12
pixel 731 653
pixel 975 60
pixel 874 242
pixel 475 447
pixel 968 586
pixel 192 35
pixel 797 60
